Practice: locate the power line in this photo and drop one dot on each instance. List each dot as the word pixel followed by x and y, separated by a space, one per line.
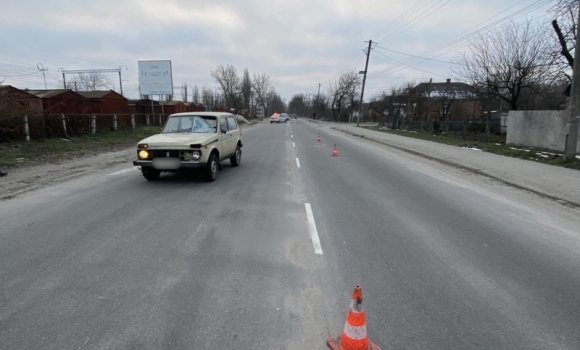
pixel 418 19
pixel 406 64
pixel 453 43
pixel 399 19
pixel 415 56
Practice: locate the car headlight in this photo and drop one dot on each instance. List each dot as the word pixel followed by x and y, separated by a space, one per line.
pixel 143 154
pixel 142 145
pixel 196 155
pixel 186 156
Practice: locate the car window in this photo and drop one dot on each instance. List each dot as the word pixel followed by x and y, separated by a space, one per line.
pixel 211 121
pixel 184 124
pixel 232 123
pixel 224 125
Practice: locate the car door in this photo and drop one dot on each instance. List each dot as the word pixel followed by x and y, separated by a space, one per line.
pixel 224 137
pixel 233 135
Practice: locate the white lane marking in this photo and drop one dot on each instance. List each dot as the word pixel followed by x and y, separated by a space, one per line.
pixel 292 136
pixel 313 231
pixel 293 144
pixel 121 172
pixel 298 162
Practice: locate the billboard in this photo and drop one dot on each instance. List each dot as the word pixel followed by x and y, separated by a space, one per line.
pixel 155 77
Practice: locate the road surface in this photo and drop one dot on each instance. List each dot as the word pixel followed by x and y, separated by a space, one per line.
pixel 266 257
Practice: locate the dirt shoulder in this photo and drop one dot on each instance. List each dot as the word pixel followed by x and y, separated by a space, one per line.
pixel 35 176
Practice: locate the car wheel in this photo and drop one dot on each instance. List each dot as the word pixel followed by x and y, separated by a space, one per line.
pixel 150 173
pixel 211 171
pixel 236 159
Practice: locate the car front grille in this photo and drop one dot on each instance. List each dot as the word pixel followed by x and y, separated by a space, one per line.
pixel 164 154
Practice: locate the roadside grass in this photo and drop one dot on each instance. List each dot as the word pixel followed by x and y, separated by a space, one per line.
pixel 18 154
pixel 495 144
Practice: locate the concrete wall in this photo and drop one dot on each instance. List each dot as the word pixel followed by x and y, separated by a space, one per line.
pixel 538 129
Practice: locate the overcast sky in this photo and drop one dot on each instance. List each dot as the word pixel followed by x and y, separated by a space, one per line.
pixel 297 43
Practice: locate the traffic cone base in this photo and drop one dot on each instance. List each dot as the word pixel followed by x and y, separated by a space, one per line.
pixel 334 343
pixel 335 152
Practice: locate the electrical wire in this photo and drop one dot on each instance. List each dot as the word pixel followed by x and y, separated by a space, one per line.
pixel 456 41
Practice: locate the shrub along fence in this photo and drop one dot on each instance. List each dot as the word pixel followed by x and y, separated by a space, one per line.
pixel 28 128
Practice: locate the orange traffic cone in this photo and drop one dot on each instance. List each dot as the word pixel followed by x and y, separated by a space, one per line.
pixel 354 336
pixel 318 139
pixel 335 152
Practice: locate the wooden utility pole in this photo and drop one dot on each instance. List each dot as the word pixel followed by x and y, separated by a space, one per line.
pixel 574 117
pixel 317 101
pixel 362 92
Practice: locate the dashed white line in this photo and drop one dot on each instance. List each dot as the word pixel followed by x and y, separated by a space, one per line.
pixel 121 172
pixel 292 136
pixel 293 144
pixel 313 232
pixel 298 162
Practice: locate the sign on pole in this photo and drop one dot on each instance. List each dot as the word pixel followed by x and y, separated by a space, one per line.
pixel 155 77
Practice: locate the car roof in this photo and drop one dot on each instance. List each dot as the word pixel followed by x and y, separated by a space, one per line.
pixel 202 114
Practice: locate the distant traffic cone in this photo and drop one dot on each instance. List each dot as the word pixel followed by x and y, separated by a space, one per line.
pixel 318 139
pixel 354 335
pixel 335 152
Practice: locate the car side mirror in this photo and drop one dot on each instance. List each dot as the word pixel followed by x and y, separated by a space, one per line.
pixel 224 131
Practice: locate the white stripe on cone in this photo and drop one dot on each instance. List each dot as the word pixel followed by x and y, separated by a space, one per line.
pixel 356 333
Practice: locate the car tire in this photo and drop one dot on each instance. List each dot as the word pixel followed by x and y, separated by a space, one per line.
pixel 236 159
pixel 211 171
pixel 151 174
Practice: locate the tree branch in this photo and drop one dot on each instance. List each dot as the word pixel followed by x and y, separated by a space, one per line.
pixel 565 51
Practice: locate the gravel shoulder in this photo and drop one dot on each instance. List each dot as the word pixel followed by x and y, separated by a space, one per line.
pixel 25 179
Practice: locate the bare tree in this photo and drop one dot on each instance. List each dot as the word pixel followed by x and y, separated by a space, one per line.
pixel 91 82
pixel 507 61
pixel 341 92
pixel 246 88
pixel 564 24
pixel 184 92
pixel 275 102
pixel 229 81
pixel 261 86
pixel 298 105
pixel 195 95
pixel 207 96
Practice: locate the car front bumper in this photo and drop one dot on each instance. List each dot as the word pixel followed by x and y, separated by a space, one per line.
pixel 184 164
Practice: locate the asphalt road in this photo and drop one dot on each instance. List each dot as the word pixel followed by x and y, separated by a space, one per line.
pixel 266 257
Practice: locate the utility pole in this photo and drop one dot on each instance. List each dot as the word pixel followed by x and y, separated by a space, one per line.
pixel 318 99
pixel 574 118
pixel 120 79
pixel 63 78
pixel 42 69
pixel 362 92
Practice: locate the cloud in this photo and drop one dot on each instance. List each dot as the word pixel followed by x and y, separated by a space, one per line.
pixel 297 43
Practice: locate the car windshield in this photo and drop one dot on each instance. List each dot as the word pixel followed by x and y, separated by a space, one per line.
pixel 190 123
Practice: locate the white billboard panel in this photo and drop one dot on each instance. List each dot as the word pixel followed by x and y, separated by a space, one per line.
pixel 155 77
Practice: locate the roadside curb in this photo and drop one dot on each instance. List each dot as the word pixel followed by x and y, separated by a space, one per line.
pixel 467 168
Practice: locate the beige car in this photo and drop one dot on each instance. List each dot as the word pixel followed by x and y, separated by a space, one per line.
pixel 191 140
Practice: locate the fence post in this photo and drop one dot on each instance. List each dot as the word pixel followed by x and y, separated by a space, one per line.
pixel 63 124
pixel 26 130
pixel 93 123
pixel 115 122
pixel 132 121
pixel 160 120
pixel 147 119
